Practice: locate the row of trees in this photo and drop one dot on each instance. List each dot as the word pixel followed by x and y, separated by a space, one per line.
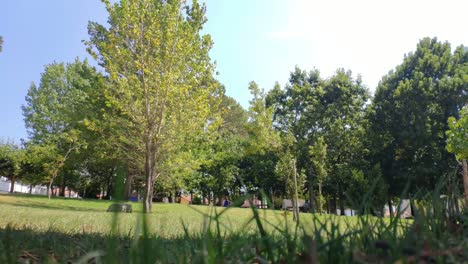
pixel 158 112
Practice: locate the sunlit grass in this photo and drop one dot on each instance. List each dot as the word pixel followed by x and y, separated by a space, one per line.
pixel 67 230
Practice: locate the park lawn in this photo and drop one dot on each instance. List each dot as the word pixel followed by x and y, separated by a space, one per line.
pixel 64 230
pixel 167 220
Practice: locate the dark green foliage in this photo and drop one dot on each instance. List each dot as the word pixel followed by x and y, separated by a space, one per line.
pixel 310 107
pixel 410 112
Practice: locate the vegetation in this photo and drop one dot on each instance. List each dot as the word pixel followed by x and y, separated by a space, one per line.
pixel 154 123
pixel 59 230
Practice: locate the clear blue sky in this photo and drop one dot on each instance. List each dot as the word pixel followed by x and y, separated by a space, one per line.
pixel 259 40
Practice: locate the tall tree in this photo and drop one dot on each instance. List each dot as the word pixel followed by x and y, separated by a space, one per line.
pixel 318 156
pixel 295 112
pixel 457 143
pixel 224 151
pixel 262 145
pixel 310 108
pixel 160 76
pixel 56 111
pixel 410 111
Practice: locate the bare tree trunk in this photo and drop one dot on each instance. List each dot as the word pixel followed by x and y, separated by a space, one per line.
pixel 311 197
pixel 272 199
pixel 390 207
pixel 334 209
pixel 128 186
pixel 465 180
pixel 12 186
pixel 319 206
pixel 150 174
pixel 296 205
pixel 148 201
pixel 342 209
pixel 62 189
pixel 30 189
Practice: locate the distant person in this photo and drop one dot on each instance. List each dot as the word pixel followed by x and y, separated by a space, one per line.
pixel 226 203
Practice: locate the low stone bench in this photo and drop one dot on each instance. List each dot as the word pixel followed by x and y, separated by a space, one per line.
pixel 120 208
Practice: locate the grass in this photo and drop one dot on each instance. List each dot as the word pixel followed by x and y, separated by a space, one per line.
pixel 38 230
pixel 77 216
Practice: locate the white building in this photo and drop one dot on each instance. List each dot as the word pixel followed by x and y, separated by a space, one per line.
pixel 5 185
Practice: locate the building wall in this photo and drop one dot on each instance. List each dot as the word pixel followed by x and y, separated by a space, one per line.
pixel 20 187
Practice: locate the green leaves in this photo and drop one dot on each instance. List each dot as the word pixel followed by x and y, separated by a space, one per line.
pixel 160 78
pixel 11 157
pixel 411 108
pixel 457 135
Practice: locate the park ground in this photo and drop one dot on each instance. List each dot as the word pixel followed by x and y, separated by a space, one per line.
pixel 34 229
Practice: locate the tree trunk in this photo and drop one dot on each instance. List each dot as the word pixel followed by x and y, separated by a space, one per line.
pixel 128 186
pixel 390 208
pixel 150 175
pixel 109 188
pixel 319 206
pixel 12 186
pixel 296 205
pixel 329 203
pixel 465 180
pixel 272 200
pixel 311 197
pixel 342 209
pixel 148 201
pixel 30 189
pixel 62 189
pixel 334 208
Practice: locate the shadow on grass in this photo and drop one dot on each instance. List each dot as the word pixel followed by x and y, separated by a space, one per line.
pixel 51 246
pixel 51 207
pixel 42 202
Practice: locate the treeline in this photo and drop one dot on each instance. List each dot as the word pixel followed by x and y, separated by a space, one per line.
pixel 158 113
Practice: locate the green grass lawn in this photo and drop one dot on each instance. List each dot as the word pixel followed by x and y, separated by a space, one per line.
pixel 167 220
pixel 34 229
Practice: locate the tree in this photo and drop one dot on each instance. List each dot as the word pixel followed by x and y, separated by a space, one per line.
pixel 295 112
pixel 262 146
pixel 222 154
pixel 11 157
pixel 310 108
pixel 1 43
pixel 409 115
pixel 160 77
pixel 457 143
pixel 287 170
pixel 56 111
pixel 318 156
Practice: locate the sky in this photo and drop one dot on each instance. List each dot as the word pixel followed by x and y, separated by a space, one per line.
pixel 254 40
